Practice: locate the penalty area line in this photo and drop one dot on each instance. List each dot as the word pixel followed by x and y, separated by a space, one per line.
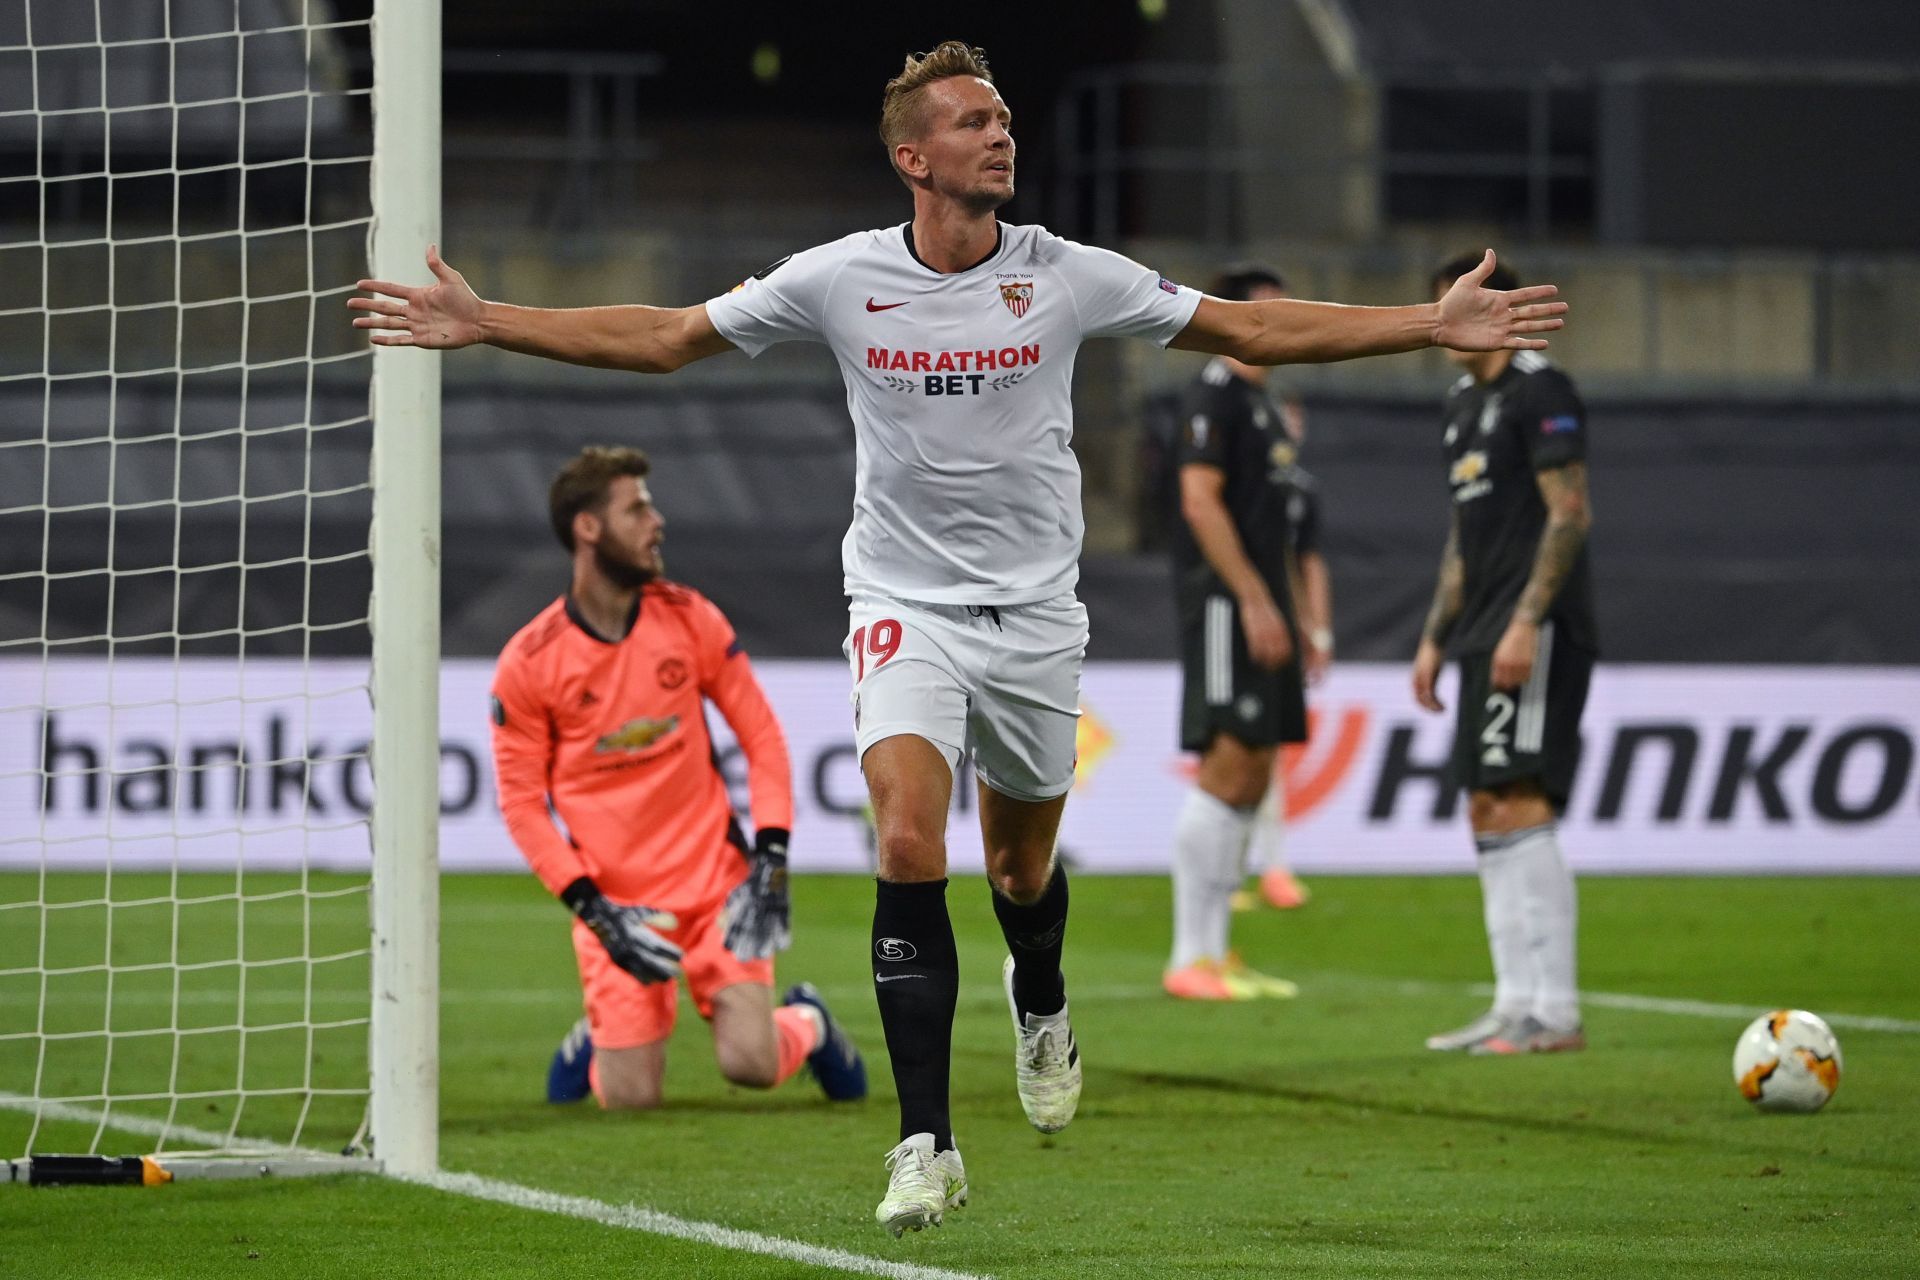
pixel 1652 1004
pixel 1707 1009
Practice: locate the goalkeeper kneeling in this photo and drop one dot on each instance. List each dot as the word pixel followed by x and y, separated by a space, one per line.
pixel 599 721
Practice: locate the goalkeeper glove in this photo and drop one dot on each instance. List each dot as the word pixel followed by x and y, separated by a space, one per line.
pixel 759 915
pixel 628 933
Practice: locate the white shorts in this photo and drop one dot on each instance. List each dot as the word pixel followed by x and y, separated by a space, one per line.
pixel 1001 682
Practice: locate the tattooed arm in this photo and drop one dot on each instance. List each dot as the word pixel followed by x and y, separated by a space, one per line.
pixel 1447 592
pixel 1564 490
pixel 1447 595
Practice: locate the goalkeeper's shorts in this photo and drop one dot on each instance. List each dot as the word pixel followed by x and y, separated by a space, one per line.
pixel 623 1013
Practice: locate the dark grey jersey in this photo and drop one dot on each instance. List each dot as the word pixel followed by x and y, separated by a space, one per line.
pixel 1229 423
pixel 1497 436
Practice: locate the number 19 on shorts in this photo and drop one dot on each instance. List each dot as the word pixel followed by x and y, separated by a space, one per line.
pixel 877 640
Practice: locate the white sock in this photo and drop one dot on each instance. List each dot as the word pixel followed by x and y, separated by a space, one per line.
pixel 1551 913
pixel 814 1016
pixel 1269 833
pixel 1209 854
pixel 1503 899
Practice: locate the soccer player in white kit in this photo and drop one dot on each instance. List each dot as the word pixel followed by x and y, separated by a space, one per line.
pixel 956 336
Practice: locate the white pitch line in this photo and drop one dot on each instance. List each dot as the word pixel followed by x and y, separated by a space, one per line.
pixel 626 1217
pixel 145 1126
pixel 1705 1009
pixel 1645 1004
pixel 632 1218
pixel 563 1001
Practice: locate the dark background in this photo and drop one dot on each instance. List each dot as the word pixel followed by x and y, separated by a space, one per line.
pixel 1765 522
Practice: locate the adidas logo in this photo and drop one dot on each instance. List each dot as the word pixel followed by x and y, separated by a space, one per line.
pixel 588 698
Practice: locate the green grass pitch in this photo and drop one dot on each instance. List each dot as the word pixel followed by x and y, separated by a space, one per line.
pixel 1306 1138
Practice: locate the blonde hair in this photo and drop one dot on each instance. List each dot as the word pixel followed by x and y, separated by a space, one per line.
pixel 902 116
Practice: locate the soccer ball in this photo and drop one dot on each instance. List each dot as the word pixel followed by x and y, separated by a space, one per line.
pixel 1787 1060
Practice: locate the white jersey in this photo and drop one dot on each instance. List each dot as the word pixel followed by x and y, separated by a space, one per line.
pixel 960 389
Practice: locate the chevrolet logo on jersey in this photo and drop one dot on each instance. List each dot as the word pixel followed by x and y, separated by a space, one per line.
pixel 1469 476
pixel 637 734
pixel 1469 467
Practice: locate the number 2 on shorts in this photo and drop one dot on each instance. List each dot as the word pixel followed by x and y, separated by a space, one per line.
pixel 881 640
pixel 1500 709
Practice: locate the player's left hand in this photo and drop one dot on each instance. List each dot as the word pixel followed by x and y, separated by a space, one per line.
pixel 1473 318
pixel 1513 656
pixel 443 316
pixel 759 914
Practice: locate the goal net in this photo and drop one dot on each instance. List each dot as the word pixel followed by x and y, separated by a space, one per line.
pixel 199 664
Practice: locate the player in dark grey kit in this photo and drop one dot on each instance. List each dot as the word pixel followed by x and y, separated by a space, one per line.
pixel 1514 606
pixel 1237 581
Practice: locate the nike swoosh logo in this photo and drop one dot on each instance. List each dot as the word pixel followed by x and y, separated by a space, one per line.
pixel 896 977
pixel 883 306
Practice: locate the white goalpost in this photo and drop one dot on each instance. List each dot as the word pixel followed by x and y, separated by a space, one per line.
pixel 406 605
pixel 219 591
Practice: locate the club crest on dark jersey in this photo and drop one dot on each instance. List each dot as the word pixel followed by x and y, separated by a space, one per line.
pixel 1018 296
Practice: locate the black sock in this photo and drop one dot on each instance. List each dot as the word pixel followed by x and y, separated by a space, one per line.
pixel 1035 936
pixel 916 977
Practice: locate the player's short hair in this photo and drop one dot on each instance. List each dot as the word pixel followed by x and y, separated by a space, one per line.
pixel 1237 281
pixel 583 483
pixel 902 112
pixel 1453 268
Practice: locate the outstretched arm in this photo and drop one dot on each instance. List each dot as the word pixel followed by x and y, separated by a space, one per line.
pixel 1286 331
pixel 448 314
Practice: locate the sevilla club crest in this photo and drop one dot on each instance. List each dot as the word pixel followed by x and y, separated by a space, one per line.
pixel 1018 296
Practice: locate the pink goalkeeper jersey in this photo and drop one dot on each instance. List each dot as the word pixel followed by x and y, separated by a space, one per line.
pixel 613 735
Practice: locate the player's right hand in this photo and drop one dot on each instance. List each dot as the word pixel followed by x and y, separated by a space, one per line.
pixel 1426 673
pixel 441 316
pixel 1268 642
pixel 630 934
pixel 1319 656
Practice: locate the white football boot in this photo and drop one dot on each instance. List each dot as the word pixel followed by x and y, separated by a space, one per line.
pixel 922 1184
pixel 1046 1063
pixel 1464 1039
pixel 1530 1035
